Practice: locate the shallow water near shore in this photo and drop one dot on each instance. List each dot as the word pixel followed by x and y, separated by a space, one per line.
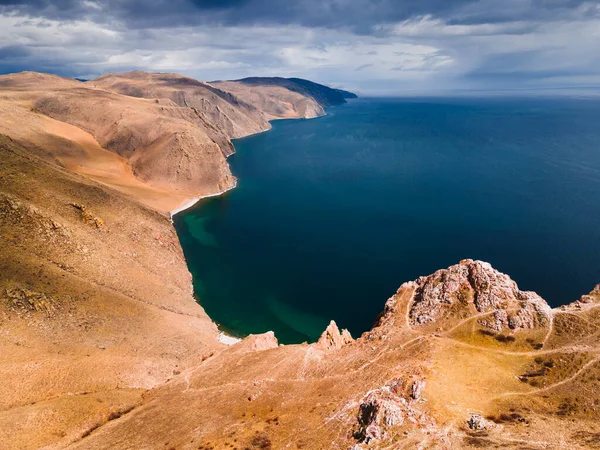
pixel 331 215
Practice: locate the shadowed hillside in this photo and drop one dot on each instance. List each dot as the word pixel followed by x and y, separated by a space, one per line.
pixel 324 95
pixel 285 97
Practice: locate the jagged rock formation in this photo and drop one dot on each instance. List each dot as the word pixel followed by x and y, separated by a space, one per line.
pixel 332 338
pixel 478 286
pixel 477 423
pixel 102 345
pixel 384 409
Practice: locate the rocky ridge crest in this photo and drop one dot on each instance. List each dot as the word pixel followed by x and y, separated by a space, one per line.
pixel 476 283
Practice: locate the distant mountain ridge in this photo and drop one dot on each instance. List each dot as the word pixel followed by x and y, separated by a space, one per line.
pixel 324 95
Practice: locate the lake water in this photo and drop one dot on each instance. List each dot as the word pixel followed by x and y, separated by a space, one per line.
pixel 331 215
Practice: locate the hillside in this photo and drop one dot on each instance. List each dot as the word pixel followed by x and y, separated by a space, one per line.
pixel 459 359
pixel 324 95
pixel 154 151
pixel 285 97
pixel 162 139
pixel 78 342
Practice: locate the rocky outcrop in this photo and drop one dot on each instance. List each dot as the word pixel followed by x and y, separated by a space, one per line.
pixel 417 389
pixel 378 410
pixel 258 342
pixel 383 410
pixel 585 300
pixel 477 284
pixel 477 423
pixel 332 338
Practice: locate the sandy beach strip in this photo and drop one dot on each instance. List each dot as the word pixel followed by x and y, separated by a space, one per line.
pixel 188 204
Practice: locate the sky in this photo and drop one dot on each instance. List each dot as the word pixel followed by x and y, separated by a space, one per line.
pixel 373 47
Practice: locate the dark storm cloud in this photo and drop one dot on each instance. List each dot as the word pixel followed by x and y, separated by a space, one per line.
pixel 358 15
pixel 13 52
pixel 375 45
pixel 61 9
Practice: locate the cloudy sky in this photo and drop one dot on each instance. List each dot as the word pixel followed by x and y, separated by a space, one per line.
pixel 370 46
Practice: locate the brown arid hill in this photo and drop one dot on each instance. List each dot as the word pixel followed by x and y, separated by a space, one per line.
pixel 154 151
pixel 282 97
pixel 96 304
pixel 161 138
pixel 102 345
pixel 304 95
pixel 223 115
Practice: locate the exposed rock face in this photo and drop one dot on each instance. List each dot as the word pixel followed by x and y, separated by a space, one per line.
pixel 478 423
pixel 417 389
pixel 379 409
pixel 384 410
pixel 332 338
pixel 489 291
pixel 259 342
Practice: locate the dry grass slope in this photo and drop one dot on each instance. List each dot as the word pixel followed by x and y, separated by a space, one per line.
pixel 78 342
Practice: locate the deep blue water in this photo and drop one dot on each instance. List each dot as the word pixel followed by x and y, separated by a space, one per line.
pixel 331 215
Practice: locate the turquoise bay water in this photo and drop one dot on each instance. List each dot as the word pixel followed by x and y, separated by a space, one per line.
pixel 331 215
